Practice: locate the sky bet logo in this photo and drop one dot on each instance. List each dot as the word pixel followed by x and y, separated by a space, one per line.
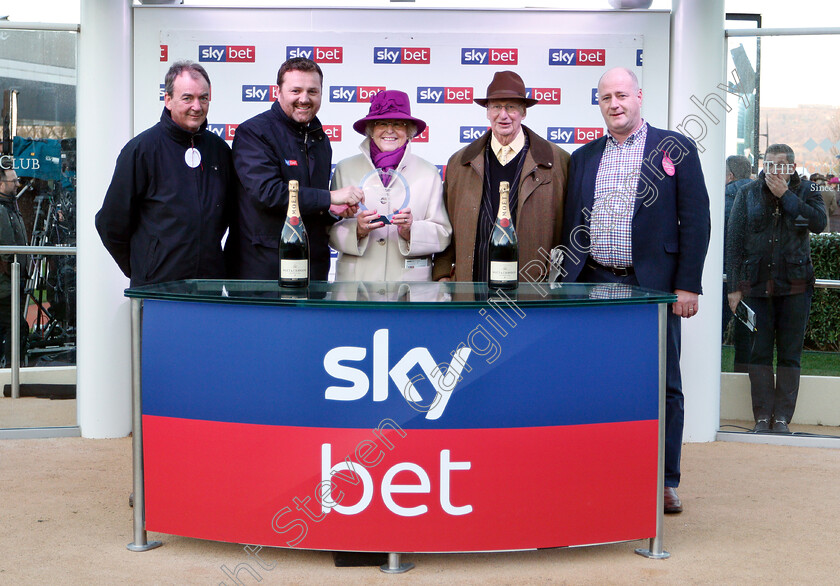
pixel 572 135
pixel 444 95
pixel 333 132
pixel 260 93
pixel 317 54
pixel 545 95
pixel 226 53
pixel 576 56
pixel 353 93
pixel 471 133
pixel 223 131
pixel 402 55
pixel 473 56
pixel 442 377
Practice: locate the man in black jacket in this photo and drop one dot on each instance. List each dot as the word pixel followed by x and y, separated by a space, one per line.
pixel 769 263
pixel 12 233
pixel 284 143
pixel 166 209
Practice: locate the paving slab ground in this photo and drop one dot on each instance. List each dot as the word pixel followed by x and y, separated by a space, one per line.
pixel 754 514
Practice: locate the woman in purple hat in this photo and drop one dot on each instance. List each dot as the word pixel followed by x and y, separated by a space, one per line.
pixel 403 220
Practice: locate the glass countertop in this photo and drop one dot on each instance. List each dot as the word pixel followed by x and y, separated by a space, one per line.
pixel 398 294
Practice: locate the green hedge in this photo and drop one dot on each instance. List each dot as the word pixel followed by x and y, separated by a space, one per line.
pixel 823 330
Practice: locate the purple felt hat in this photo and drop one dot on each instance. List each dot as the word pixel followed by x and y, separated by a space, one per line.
pixel 389 105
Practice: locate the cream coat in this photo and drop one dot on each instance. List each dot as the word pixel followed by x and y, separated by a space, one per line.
pixel 382 255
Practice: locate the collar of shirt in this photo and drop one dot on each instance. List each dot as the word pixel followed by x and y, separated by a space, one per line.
pixel 639 134
pixel 505 153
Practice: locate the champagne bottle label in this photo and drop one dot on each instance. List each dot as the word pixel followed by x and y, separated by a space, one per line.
pixel 503 271
pixel 294 269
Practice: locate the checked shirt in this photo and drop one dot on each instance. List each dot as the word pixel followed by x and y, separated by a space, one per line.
pixel 611 225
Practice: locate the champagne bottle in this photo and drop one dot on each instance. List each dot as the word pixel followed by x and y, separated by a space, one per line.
pixel 504 246
pixel 294 245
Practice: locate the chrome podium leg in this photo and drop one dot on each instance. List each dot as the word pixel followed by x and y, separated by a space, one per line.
pixel 139 543
pixel 655 550
pixel 14 335
pixel 394 566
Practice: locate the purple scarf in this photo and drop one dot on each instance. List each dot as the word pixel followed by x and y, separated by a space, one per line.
pixel 385 162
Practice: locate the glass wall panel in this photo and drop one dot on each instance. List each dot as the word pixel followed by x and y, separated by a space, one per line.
pixel 38 84
pixel 781 93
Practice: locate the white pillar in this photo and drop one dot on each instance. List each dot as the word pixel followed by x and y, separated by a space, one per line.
pixel 697 67
pixel 104 122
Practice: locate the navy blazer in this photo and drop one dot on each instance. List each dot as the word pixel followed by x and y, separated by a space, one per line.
pixel 671 222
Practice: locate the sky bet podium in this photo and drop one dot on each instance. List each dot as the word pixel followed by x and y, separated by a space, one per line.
pixel 399 417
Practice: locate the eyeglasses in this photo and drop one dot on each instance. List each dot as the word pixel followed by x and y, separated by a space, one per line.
pixel 395 124
pixel 15 180
pixel 509 108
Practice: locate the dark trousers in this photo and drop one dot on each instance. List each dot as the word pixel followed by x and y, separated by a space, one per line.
pixel 742 340
pixel 780 324
pixel 674 404
pixel 6 330
pixel 741 336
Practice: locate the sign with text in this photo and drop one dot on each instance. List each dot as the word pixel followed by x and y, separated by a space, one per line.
pixel 428 435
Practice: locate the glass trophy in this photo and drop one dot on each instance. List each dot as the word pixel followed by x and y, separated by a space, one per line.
pixel 377 194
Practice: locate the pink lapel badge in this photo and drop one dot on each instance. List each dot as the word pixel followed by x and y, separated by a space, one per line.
pixel 668 164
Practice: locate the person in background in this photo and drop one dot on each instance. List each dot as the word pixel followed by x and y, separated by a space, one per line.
pixel 769 256
pixel 536 170
pixel 283 143
pixel 398 185
pixel 738 171
pixel 12 233
pixel 166 209
pixel 831 200
pixel 647 225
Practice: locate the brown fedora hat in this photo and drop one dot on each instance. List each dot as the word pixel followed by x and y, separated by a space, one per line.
pixel 506 85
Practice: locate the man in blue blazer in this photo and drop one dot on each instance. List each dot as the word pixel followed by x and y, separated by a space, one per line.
pixel 637 212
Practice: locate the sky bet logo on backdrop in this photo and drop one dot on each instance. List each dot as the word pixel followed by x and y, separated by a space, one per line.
pixel 354 93
pixel 471 133
pixel 572 135
pixel 260 93
pixel 227 53
pixel 423 136
pixel 576 56
pixel 223 131
pixel 333 132
pixel 486 56
pixel 317 54
pixel 545 95
pixel 402 55
pixel 444 95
